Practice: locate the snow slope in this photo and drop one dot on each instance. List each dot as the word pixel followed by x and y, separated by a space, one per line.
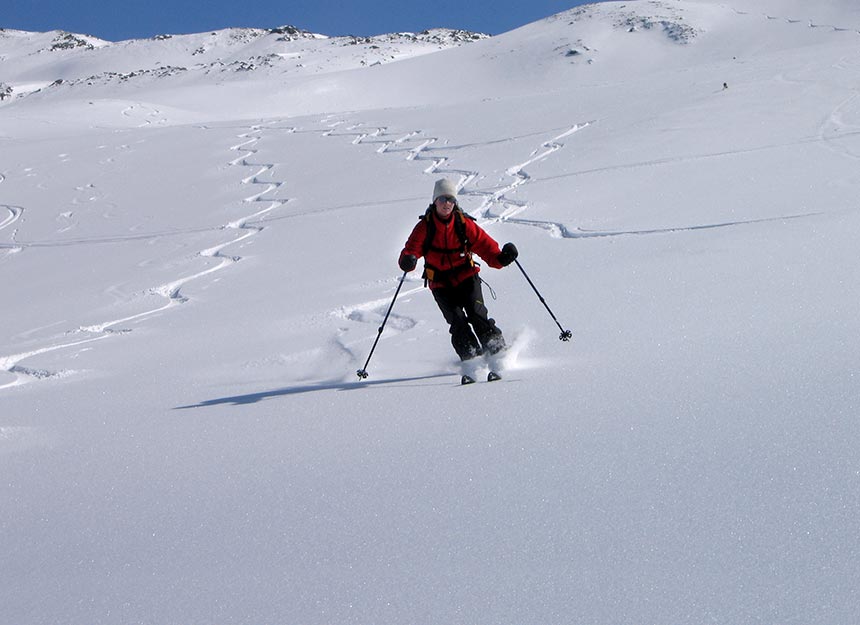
pixel 194 264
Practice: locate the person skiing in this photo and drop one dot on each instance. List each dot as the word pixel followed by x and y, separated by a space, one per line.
pixel 446 238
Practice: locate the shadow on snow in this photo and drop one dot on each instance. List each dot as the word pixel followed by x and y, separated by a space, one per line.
pixel 253 398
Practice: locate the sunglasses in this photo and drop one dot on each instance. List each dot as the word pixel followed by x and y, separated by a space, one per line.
pixel 447 198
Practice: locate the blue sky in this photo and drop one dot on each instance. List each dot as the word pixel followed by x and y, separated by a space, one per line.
pixel 133 19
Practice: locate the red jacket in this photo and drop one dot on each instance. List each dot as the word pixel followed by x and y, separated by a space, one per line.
pixel 446 262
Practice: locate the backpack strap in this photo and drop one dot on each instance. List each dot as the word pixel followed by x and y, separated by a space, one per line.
pixel 427 218
pixel 460 218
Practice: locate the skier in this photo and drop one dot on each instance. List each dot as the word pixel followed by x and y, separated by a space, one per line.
pixel 446 237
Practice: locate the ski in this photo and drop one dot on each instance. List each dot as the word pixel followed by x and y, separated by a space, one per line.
pixel 492 376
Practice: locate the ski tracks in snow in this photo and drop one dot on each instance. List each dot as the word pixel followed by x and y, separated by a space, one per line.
pixel 805 21
pixel 511 208
pixel 8 216
pixel 170 292
pixel 495 205
pixel 151 115
pixel 370 312
pixel 14 215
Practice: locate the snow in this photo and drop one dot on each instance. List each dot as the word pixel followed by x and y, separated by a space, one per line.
pixel 194 264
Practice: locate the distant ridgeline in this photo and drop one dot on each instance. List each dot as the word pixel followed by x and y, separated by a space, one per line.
pixel 83 60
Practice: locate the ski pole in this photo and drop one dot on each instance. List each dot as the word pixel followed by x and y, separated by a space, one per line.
pixel 362 373
pixel 565 334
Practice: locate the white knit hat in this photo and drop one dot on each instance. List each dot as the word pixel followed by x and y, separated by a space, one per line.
pixel 444 187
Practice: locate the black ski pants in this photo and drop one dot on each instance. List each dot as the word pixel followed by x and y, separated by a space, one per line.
pixel 472 331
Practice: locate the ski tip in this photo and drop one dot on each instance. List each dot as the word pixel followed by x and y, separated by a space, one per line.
pixel 492 376
pixel 467 379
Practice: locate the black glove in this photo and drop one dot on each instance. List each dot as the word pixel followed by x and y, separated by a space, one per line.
pixel 508 254
pixel 408 262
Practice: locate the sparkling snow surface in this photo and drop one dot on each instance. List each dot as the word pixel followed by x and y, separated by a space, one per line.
pixel 198 243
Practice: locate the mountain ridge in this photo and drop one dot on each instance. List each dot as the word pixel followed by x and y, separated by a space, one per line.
pixel 60 57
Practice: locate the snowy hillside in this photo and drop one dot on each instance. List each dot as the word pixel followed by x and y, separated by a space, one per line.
pixel 198 243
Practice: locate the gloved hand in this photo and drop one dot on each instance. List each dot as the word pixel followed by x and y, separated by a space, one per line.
pixel 508 254
pixel 408 262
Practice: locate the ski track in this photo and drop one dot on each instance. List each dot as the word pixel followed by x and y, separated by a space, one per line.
pixel 171 291
pixel 152 115
pixel 834 128
pixel 809 23
pixel 506 209
pixel 373 311
pixel 14 212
